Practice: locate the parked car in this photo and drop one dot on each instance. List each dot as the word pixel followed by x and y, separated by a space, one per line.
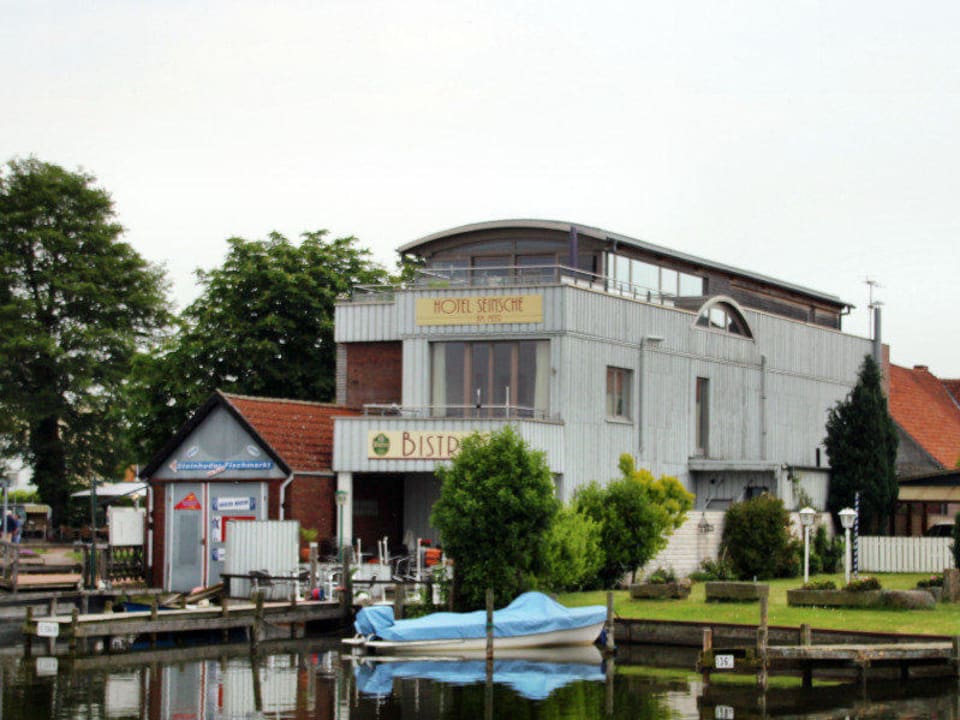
pixel 942 529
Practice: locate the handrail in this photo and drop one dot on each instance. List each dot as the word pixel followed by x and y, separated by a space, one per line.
pixel 483 411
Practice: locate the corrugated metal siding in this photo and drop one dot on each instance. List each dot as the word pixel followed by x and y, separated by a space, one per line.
pixel 350 440
pixel 420 492
pixel 366 322
pixel 266 545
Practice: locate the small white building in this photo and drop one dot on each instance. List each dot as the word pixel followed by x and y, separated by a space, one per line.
pixel 592 344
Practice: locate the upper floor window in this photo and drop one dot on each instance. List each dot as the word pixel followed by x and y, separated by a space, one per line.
pixel 702 416
pixel 491 379
pixel 656 282
pixel 723 315
pixel 618 393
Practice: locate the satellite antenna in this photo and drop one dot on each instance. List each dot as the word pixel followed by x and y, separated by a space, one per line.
pixel 871 283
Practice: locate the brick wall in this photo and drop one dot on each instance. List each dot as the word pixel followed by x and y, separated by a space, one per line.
pixel 158 523
pixel 310 499
pixel 372 373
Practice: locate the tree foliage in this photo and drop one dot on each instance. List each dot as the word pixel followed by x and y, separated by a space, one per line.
pixel 861 443
pixel 574 553
pixel 636 513
pixel 757 539
pixel 75 304
pixel 496 505
pixel 263 325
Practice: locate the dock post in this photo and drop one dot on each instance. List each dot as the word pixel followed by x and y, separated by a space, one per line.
pixel 806 637
pixel 610 644
pixel 346 597
pixel 225 613
pixel 258 619
pixel 74 626
pixel 762 635
pixel 154 613
pixel 53 606
pixel 28 633
pixel 313 568
pixel 706 648
pixel 399 600
pixel 489 626
pixel 956 655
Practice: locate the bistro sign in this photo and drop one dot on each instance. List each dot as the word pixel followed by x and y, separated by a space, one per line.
pixel 480 310
pixel 413 445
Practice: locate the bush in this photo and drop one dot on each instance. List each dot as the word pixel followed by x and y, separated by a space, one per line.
pixel 828 551
pixel 636 514
pixel 863 584
pixel 935 580
pixel 661 576
pixel 819 585
pixel 710 570
pixel 495 509
pixel 756 538
pixel 573 554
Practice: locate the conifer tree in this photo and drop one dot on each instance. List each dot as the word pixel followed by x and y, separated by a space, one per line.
pixel 861 443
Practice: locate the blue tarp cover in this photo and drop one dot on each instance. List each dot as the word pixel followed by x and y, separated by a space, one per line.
pixel 532 680
pixel 530 613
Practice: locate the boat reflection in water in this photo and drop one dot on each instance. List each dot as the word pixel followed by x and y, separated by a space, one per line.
pixel 532 674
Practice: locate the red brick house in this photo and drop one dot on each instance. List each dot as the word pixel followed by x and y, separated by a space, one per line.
pixel 238 458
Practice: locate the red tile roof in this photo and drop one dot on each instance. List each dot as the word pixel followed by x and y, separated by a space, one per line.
pixel 299 432
pixel 953 387
pixel 921 404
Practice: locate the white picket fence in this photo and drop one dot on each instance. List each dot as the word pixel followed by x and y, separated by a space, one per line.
pixel 905 554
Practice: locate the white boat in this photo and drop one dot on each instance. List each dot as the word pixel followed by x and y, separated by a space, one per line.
pixel 533 620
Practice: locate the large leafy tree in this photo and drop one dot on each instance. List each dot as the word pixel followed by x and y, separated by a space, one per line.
pixel 861 443
pixel 496 506
pixel 637 513
pixel 263 325
pixel 75 303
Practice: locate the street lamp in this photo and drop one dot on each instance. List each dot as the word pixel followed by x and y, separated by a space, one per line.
pixel 807 516
pixel 847 517
pixel 341 496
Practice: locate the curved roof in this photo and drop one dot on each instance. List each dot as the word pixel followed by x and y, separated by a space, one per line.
pixel 612 237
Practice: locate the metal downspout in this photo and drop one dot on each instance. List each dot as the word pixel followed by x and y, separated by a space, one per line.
pixel 283 495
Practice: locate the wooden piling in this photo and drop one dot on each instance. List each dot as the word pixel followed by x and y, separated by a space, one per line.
pixel 346 597
pixel 257 634
pixel 706 648
pixel 489 625
pixel 806 638
pixel 313 568
pixel 956 655
pixel 762 638
pixel 74 622
pixel 399 600
pixel 610 645
pixel 28 635
pixel 154 612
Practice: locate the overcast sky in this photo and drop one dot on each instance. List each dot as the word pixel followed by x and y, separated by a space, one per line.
pixel 816 142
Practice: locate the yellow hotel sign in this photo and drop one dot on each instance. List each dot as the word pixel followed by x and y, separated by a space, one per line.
pixel 413 445
pixel 480 310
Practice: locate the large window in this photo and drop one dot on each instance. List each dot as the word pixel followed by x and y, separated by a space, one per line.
pixel 491 379
pixel 643 278
pixel 618 393
pixel 702 418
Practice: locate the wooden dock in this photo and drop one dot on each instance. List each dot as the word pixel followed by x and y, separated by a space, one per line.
pixel 806 657
pixel 78 628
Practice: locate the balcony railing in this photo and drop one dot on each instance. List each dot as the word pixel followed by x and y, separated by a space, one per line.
pixel 509 276
pixel 484 411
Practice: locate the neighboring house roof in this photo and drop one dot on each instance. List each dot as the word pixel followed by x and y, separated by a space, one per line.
pixel 617 238
pixel 953 387
pixel 300 432
pixel 923 407
pixel 298 435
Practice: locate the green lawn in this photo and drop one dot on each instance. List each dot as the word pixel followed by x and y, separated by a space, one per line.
pixel 944 620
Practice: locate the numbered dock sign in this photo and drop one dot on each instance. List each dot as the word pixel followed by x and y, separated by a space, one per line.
pixel 723 662
pixel 48 629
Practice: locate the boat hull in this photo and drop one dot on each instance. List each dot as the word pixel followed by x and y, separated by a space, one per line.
pixel 585 635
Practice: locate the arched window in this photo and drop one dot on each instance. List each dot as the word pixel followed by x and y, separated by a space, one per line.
pixel 723 314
